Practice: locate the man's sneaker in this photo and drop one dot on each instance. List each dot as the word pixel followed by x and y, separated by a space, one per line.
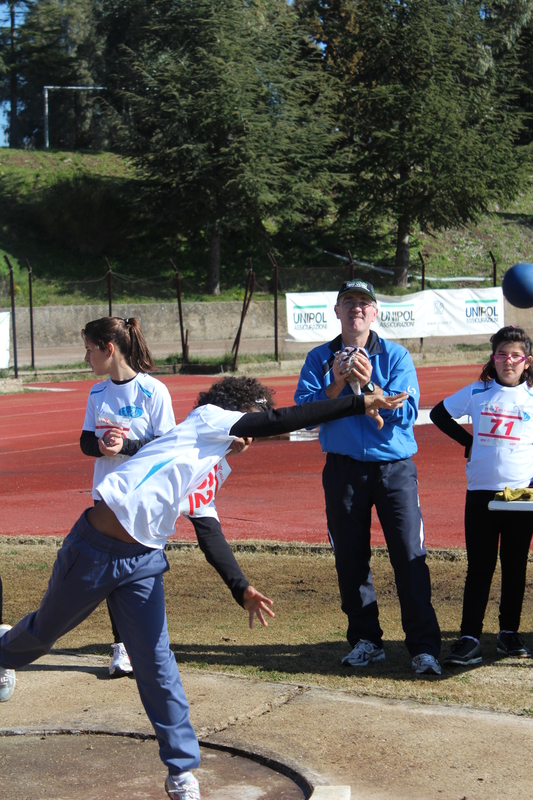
pixel 465 650
pixel 182 787
pixel 120 664
pixel 424 664
pixel 7 676
pixel 364 653
pixel 510 644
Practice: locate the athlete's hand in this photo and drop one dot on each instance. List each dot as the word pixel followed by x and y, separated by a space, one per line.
pixel 373 403
pixel 255 603
pixel 111 443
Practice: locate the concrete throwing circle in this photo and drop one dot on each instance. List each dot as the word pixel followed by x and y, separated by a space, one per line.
pixel 104 767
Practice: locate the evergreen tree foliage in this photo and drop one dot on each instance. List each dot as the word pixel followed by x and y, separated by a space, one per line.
pixel 429 109
pixel 9 62
pixel 57 45
pixel 227 111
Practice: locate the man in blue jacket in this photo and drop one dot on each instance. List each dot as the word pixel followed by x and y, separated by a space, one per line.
pixel 368 465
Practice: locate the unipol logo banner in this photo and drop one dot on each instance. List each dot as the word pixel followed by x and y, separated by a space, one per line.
pixel 447 312
pixel 4 339
pixel 311 318
pixel 457 312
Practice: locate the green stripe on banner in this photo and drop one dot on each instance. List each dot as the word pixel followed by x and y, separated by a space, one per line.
pixel 483 302
pixel 304 307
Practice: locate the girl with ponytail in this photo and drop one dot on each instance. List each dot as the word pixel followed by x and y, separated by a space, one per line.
pixel 124 412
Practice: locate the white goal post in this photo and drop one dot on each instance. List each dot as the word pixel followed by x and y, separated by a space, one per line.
pixel 46 89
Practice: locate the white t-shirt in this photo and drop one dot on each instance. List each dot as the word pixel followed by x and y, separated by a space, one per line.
pixel 502 420
pixel 201 501
pixel 145 492
pixel 142 408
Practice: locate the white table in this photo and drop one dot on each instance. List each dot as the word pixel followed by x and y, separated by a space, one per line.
pixel 511 505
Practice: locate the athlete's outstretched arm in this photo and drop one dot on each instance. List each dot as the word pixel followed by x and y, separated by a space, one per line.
pixel 284 420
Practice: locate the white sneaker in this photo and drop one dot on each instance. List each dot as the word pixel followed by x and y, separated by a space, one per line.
pixel 424 664
pixel 7 676
pixel 364 652
pixel 182 787
pixel 120 664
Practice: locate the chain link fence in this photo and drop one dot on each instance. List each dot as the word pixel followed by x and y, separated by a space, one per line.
pixel 48 336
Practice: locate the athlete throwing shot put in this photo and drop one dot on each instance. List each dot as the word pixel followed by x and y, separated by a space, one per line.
pixel 115 551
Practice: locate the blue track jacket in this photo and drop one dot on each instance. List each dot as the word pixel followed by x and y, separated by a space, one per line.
pixel 358 436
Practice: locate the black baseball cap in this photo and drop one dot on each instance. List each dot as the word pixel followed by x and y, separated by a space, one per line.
pixel 357 285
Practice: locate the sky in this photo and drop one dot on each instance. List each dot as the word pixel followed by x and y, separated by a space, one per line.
pixel 3 121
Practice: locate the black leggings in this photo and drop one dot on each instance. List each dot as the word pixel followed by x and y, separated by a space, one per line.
pixel 484 530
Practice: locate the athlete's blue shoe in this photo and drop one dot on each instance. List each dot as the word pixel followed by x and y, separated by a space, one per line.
pixel 425 664
pixel 364 653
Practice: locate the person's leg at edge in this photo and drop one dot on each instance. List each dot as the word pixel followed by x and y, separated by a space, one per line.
pixel 395 494
pixel 348 513
pixel 482 534
pixel 139 608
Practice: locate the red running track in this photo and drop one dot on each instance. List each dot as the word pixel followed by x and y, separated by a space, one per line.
pixel 275 492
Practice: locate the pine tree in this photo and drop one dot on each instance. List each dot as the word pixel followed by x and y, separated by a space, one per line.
pixel 429 111
pixel 56 44
pixel 9 63
pixel 227 111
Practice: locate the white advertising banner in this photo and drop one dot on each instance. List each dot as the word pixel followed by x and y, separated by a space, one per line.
pixel 5 318
pixel 446 312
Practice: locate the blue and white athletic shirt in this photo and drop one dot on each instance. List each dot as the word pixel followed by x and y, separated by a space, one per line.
pixel 502 420
pixel 145 492
pixel 142 408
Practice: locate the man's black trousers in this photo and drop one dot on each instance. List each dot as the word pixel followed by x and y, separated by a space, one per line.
pixel 351 489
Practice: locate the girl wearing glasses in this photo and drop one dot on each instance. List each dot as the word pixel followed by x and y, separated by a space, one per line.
pixel 500 454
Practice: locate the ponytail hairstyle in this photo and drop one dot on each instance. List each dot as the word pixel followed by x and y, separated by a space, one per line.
pixel 503 336
pixel 126 335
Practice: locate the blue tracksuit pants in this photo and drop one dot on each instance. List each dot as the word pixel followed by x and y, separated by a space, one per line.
pixel 91 567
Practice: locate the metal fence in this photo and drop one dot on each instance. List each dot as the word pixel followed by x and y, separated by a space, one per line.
pixel 47 335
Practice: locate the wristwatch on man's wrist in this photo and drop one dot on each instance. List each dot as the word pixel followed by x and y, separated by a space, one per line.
pixel 368 388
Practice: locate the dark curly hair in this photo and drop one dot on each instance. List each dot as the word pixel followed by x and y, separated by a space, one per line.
pixel 503 336
pixel 238 394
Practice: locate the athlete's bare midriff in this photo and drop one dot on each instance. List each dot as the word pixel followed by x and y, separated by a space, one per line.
pixel 103 520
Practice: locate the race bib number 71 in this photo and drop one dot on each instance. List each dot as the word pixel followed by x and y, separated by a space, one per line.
pixel 500 427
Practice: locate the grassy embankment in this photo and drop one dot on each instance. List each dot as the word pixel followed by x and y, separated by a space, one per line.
pixel 66 213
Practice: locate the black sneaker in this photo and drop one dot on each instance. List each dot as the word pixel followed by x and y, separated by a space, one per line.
pixel 511 644
pixel 464 651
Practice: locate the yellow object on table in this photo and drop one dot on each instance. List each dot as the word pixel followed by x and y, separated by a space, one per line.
pixel 514 494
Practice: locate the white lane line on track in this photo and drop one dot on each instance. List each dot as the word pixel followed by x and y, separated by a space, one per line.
pixel 45 389
pixel 35 449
